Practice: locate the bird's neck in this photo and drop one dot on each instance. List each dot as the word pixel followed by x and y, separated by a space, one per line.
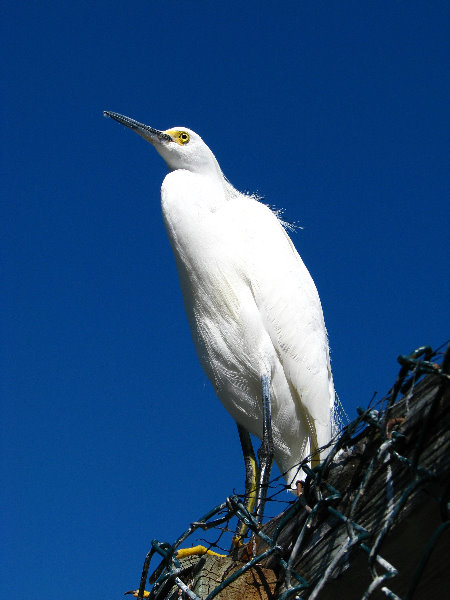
pixel 190 204
pixel 190 196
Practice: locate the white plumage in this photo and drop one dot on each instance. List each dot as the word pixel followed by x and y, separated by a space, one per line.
pixel 252 305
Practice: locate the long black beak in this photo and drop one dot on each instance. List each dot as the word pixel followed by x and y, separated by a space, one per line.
pixel 145 131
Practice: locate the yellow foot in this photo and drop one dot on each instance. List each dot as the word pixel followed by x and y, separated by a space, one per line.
pixel 237 541
pixel 182 553
pixel 196 551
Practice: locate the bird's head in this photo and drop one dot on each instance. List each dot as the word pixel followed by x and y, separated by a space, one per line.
pixel 180 147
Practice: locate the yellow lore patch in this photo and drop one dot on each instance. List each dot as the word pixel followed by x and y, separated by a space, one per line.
pixel 179 136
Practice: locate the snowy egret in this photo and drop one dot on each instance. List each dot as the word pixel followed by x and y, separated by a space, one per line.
pixel 253 309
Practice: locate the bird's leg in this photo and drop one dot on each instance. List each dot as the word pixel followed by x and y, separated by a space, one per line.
pixel 251 481
pixel 266 451
pixel 256 491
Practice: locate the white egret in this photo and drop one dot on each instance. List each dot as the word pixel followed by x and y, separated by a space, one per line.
pixel 253 309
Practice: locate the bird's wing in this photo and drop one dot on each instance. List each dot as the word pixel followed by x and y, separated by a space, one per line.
pixel 290 308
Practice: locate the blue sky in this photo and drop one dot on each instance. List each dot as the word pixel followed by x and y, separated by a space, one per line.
pixel 334 111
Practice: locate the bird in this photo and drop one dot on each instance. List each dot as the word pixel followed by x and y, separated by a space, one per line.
pixel 254 311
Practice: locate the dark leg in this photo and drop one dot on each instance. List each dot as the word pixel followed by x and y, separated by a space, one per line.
pixel 265 453
pixel 251 481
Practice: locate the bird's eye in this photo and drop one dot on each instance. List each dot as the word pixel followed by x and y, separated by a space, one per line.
pixel 183 137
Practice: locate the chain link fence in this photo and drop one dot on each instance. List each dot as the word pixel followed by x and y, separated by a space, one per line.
pixel 372 520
